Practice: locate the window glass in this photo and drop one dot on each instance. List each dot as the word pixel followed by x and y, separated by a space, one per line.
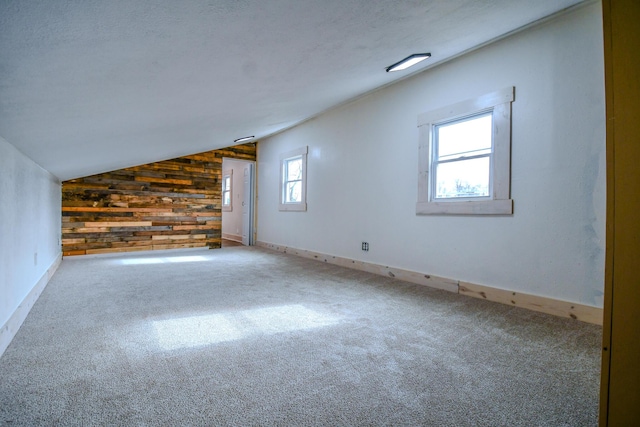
pixel 462 151
pixel 462 137
pixel 293 180
pixel 464 178
pixel 226 191
pixel 293 183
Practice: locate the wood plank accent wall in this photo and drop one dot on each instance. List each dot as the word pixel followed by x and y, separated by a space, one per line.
pixel 165 205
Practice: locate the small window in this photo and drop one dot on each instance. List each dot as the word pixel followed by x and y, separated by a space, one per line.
pixel 293 180
pixel 464 157
pixel 227 191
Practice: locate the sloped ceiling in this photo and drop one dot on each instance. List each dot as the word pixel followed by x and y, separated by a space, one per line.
pixel 88 86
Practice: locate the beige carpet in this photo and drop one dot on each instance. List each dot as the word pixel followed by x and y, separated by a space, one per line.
pixel 244 336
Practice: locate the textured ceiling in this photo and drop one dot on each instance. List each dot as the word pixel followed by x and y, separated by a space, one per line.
pixel 88 86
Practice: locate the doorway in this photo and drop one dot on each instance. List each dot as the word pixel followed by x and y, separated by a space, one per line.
pixel 238 205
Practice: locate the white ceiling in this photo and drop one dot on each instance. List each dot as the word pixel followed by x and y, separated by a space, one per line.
pixel 89 86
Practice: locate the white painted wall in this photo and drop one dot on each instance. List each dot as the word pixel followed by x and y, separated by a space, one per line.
pixel 362 170
pixel 232 221
pixel 29 228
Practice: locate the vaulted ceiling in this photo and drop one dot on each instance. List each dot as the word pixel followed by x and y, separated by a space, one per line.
pixel 88 86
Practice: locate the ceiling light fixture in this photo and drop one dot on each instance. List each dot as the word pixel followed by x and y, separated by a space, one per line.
pixel 243 139
pixel 408 62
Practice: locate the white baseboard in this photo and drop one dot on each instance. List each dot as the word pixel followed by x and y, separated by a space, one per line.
pixel 546 305
pixel 11 327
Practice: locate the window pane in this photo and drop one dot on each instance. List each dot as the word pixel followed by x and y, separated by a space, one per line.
pixel 226 198
pixel 226 183
pixel 465 178
pixel 293 169
pixel 470 136
pixel 293 192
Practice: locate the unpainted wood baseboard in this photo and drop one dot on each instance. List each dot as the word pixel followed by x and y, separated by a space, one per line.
pixel 556 307
pixel 552 306
pixel 233 237
pixel 10 328
pixel 396 273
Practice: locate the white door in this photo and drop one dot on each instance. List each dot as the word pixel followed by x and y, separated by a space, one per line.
pixel 247 206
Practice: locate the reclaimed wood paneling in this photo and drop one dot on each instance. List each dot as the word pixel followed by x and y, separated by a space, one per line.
pixel 165 205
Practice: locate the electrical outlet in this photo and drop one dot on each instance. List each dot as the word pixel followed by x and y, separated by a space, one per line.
pixel 365 246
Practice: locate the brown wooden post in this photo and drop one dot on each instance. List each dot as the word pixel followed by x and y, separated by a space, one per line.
pixel 620 384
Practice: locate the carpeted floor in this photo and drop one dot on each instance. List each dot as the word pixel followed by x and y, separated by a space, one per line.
pixel 244 336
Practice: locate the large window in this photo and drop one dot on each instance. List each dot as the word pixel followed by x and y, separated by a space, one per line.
pixel 461 159
pixel 465 157
pixel 227 190
pixel 293 184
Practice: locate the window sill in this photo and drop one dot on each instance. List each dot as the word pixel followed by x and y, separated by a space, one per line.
pixel 477 207
pixel 293 207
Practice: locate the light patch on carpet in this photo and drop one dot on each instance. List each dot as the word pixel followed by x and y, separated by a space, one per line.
pixel 197 331
pixel 285 318
pixel 138 261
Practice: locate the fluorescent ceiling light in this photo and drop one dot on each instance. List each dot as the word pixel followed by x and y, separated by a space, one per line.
pixel 243 139
pixel 408 61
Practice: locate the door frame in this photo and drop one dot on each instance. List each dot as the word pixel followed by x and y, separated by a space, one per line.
pixel 252 200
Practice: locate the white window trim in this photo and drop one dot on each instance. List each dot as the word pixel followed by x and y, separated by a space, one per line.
pixel 302 205
pixel 499 203
pixel 229 207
